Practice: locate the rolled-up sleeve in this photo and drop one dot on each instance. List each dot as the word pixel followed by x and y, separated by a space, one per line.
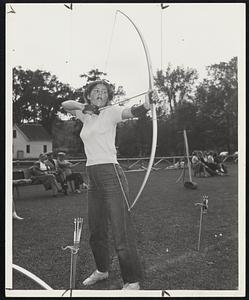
pixel 79 115
pixel 115 114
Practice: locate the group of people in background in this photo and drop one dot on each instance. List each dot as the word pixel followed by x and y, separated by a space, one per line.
pixel 57 174
pixel 206 163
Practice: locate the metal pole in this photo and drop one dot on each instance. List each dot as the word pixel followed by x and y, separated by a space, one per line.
pixel 199 239
pixel 78 222
pixel 187 151
pixel 74 264
pixel 71 274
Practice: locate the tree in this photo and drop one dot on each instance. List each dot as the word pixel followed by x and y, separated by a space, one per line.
pixel 217 99
pixel 126 139
pixel 66 137
pixel 37 97
pixel 176 85
pixel 93 75
pixel 134 137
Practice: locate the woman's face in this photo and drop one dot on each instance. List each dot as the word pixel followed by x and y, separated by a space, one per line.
pixel 99 95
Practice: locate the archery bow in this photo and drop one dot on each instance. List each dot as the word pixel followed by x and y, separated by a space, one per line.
pixel 153 109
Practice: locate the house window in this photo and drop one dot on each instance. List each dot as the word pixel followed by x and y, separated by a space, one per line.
pixel 45 148
pixel 27 148
pixel 14 134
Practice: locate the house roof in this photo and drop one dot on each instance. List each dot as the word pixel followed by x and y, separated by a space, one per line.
pixel 35 132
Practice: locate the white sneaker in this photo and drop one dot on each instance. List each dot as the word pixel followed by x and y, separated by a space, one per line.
pixel 96 276
pixel 131 286
pixel 15 216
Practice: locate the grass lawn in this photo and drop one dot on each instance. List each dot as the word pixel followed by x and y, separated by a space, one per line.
pixel 167 224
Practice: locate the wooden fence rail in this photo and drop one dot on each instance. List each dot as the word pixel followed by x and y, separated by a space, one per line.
pixel 128 163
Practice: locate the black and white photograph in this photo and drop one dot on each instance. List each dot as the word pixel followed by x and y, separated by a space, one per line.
pixel 125 149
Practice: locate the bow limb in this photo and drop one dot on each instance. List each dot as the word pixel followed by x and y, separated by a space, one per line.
pixel 152 155
pixel 153 109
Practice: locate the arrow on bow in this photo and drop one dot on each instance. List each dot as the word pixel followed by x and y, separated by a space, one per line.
pixel 122 101
pixel 153 109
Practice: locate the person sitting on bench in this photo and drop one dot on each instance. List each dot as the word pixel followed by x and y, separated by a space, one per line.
pixel 212 168
pixel 41 173
pixel 51 163
pixel 74 178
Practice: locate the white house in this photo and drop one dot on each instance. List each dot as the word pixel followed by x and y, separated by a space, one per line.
pixel 30 140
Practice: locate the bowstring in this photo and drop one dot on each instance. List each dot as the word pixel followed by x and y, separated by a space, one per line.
pixel 161 39
pixel 110 43
pixel 70 42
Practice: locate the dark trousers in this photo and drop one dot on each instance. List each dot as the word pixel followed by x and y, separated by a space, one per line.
pixel 106 202
pixel 77 178
pixel 61 179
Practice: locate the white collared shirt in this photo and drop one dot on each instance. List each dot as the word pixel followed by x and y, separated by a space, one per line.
pixel 43 167
pixel 98 135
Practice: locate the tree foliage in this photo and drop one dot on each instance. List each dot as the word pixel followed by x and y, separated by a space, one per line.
pixel 93 75
pixel 207 110
pixel 176 85
pixel 217 99
pixel 37 97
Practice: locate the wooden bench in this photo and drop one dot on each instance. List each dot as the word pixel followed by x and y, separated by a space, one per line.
pixel 21 178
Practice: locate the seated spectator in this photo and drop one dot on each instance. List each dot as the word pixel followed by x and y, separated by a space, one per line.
pixel 223 154
pixel 74 178
pixel 205 164
pixel 235 157
pixel 181 164
pixel 220 165
pixel 210 158
pixel 50 160
pixel 178 165
pixel 200 167
pixel 205 155
pixel 59 175
pixel 212 168
pixel 195 163
pixel 41 173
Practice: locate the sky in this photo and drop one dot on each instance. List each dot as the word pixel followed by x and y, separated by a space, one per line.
pixel 67 43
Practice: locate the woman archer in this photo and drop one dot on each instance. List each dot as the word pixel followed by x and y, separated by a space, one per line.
pixel 108 187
